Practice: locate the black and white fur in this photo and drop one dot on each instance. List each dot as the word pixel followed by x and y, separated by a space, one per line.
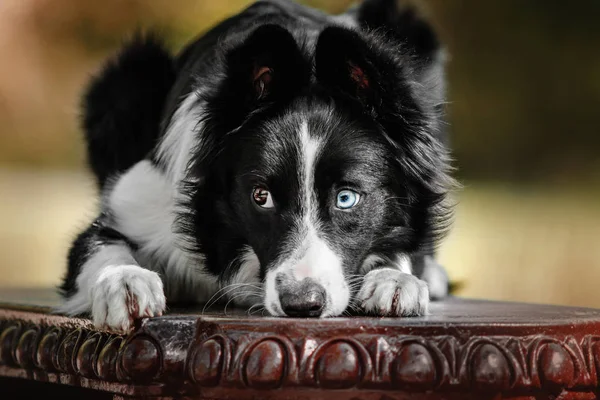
pixel 179 146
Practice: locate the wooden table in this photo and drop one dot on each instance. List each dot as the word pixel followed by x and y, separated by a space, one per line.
pixel 464 350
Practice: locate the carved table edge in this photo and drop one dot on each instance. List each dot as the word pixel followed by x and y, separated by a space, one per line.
pixel 72 352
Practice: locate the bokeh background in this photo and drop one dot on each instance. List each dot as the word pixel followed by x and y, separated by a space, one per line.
pixel 524 92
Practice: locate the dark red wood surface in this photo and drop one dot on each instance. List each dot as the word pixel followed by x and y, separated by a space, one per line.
pixel 463 350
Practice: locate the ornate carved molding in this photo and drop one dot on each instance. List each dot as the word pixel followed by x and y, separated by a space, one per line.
pixel 266 361
pixel 219 357
pixel 403 363
pixel 78 351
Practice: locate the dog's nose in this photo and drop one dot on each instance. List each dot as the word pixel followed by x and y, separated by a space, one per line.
pixel 303 306
pixel 308 301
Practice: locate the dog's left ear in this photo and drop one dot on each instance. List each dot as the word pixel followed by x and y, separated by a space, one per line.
pixel 343 62
pixel 365 70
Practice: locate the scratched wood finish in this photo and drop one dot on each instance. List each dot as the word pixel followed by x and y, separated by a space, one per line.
pixel 463 350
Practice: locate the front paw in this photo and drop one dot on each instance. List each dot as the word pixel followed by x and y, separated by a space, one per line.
pixel 124 293
pixel 388 292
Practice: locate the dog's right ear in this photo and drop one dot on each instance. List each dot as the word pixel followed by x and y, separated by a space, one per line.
pixel 267 65
pixel 267 68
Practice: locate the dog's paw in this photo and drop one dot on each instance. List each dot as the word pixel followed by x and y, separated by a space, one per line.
pixel 388 292
pixel 124 293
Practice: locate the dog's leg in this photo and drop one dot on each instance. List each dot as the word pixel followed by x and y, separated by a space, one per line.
pixel 105 280
pixel 392 290
pixel 428 269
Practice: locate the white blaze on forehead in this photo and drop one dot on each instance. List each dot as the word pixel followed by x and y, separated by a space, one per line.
pixel 308 255
pixel 310 148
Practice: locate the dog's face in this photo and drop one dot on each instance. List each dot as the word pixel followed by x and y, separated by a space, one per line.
pixel 310 193
pixel 315 172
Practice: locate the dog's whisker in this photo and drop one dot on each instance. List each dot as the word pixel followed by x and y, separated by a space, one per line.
pixel 355 285
pixel 356 278
pixel 238 295
pixel 260 309
pixel 258 306
pixel 211 302
pixel 352 304
pixel 228 289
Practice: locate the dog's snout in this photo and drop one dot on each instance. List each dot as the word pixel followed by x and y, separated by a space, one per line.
pixel 304 300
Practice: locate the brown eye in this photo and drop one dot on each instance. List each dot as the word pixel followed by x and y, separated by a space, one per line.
pixel 262 197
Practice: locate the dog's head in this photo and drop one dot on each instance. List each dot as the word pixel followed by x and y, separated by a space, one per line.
pixel 315 163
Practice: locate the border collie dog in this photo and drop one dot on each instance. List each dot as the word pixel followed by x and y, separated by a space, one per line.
pixel 286 159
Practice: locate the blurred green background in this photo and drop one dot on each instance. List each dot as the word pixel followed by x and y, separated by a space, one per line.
pixel 524 94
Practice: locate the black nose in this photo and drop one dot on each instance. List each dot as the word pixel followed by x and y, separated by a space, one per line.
pixel 308 300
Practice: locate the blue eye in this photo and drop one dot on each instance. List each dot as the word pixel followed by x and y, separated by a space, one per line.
pixel 347 199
